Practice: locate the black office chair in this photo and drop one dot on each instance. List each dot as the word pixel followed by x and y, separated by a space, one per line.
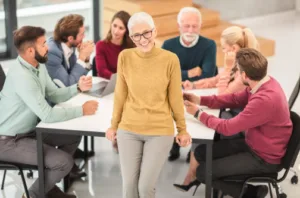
pixel 288 162
pixel 16 166
pixel 292 99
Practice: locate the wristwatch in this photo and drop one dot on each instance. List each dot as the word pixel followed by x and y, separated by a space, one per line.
pixel 197 113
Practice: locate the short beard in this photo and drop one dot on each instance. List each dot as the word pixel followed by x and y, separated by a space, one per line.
pixel 39 58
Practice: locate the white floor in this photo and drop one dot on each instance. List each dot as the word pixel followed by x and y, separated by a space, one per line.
pixel 104 179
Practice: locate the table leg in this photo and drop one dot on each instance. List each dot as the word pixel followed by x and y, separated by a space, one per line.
pixel 85 145
pixel 40 156
pixel 92 144
pixel 208 175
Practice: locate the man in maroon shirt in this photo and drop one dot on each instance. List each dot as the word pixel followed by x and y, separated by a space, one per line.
pixel 265 120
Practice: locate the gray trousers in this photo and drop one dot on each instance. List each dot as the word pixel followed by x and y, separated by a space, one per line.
pixel 142 158
pixel 58 162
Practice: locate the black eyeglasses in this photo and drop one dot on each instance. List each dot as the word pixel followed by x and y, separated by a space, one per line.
pixel 146 35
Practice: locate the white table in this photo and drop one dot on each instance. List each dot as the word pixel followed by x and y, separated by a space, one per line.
pixel 97 124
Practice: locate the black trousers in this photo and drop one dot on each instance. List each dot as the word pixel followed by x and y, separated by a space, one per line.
pixel 231 157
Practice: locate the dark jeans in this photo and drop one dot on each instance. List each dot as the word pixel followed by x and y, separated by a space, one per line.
pixel 231 157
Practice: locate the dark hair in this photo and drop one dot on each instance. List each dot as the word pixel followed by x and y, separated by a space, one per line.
pixel 27 36
pixel 124 17
pixel 253 63
pixel 68 26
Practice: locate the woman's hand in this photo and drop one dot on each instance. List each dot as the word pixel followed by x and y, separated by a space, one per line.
pixel 183 139
pixel 111 134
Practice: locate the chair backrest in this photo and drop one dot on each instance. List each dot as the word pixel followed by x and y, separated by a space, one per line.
pixel 94 68
pixel 294 94
pixel 293 146
pixel 2 77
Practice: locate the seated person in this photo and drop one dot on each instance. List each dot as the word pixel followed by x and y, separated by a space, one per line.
pixel 265 120
pixel 63 66
pixel 23 102
pixel 197 54
pixel 233 39
pixel 107 50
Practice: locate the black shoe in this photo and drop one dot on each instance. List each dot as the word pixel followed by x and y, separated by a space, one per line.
pixel 76 173
pixel 188 157
pixel 55 192
pixel 186 188
pixel 174 153
pixel 79 154
pixel 260 191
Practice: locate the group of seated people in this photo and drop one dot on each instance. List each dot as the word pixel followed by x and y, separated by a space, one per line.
pixel 148 97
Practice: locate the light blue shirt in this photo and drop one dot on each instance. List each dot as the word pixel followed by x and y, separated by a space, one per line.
pixel 23 99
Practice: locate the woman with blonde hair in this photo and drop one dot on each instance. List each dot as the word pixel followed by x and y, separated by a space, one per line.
pixel 233 39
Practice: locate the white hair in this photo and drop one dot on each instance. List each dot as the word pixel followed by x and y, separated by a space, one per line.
pixel 140 17
pixel 188 10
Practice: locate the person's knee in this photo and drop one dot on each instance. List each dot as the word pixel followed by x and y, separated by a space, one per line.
pixel 64 162
pixel 200 153
pixel 130 183
pixel 146 189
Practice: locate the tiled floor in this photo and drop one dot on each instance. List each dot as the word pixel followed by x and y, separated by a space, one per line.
pixel 104 180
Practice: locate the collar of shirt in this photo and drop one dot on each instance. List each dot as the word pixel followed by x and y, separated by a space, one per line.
pixel 31 68
pixel 191 45
pixel 259 84
pixel 67 51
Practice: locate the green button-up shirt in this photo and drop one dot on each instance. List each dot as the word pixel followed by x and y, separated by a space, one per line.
pixel 23 99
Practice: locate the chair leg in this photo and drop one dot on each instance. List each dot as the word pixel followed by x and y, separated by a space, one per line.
pixel 215 193
pixel 24 183
pixel 3 179
pixel 270 189
pixel 276 190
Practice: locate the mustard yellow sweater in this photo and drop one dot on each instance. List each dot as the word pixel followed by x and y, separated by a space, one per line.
pixel 148 95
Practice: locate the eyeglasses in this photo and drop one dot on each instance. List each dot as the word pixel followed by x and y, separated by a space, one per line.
pixel 146 35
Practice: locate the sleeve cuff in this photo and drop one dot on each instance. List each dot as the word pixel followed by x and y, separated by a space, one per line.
pixel 74 90
pixel 83 64
pixel 205 100
pixel 78 111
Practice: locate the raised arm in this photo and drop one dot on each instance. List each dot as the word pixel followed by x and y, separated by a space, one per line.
pixel 252 116
pixel 58 95
pixel 29 91
pixel 234 100
pixel 175 96
pixel 57 71
pixel 120 95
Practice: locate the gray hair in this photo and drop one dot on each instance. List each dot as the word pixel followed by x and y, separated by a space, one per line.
pixel 188 10
pixel 140 17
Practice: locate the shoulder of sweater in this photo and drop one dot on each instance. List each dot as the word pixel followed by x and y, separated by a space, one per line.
pixel 171 41
pixel 203 41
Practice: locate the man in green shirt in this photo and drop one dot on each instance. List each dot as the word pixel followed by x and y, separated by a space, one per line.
pixel 23 103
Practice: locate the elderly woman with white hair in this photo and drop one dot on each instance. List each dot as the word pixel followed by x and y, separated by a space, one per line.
pixel 148 98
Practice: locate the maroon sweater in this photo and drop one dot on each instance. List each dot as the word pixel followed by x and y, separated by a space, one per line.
pixel 106 58
pixel 265 119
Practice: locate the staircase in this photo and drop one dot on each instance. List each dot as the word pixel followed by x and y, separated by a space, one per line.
pixel 164 13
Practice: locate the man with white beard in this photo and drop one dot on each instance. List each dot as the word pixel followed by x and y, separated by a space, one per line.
pixel 197 54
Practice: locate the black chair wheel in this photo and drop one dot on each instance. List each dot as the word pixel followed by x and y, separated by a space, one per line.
pixel 30 175
pixel 282 195
pixel 294 179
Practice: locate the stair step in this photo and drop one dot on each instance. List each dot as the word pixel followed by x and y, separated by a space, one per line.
pixel 167 24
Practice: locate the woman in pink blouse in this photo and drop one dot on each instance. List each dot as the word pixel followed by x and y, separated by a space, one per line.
pixel 107 50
